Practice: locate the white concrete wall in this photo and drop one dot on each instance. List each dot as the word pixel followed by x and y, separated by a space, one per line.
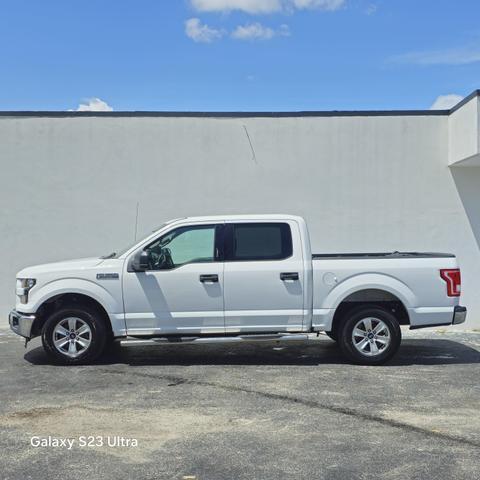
pixel 463 129
pixel 70 186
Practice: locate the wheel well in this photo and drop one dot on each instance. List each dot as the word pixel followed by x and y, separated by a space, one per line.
pixel 371 297
pixel 67 300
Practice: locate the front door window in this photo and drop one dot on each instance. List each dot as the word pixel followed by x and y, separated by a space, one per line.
pixel 182 246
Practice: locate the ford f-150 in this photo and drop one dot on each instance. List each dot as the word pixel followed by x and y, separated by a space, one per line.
pixel 234 279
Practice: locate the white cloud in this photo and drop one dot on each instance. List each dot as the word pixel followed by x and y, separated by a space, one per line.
pixel 94 104
pixel 248 6
pixel 199 32
pixel 257 31
pixel 284 30
pixel 446 102
pixel 264 6
pixel 253 31
pixel 453 56
pixel 329 5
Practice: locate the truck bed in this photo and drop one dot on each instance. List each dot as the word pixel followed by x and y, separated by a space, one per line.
pixel 411 277
pixel 380 255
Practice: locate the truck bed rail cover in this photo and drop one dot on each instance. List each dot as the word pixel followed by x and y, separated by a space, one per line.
pixel 380 255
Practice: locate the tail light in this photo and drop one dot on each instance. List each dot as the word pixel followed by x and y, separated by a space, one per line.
pixel 453 279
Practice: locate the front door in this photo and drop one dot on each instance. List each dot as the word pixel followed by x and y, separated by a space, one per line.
pixel 263 277
pixel 182 291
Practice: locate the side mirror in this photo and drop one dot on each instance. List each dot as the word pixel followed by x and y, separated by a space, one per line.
pixel 140 261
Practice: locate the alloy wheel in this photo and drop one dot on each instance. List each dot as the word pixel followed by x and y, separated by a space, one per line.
pixel 371 336
pixel 72 336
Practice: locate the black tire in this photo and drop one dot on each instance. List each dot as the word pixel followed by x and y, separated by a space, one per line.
pixel 332 335
pixel 353 353
pixel 98 335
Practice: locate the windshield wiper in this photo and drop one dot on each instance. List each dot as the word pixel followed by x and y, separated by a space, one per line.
pixel 111 255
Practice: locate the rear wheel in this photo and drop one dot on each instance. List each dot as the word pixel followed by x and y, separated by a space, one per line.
pixel 369 335
pixel 74 335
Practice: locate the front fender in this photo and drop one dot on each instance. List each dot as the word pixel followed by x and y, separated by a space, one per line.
pixel 104 297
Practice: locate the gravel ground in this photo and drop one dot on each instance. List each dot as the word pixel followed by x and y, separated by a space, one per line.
pixel 263 411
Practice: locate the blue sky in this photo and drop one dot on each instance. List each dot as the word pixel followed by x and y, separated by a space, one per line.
pixel 237 54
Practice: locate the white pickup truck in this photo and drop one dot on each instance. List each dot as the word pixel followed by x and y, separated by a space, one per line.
pixel 234 279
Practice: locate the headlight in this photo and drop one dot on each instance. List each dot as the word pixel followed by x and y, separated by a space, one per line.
pixel 27 283
pixel 24 285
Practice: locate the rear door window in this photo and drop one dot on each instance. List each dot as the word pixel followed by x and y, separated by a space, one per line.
pixel 258 241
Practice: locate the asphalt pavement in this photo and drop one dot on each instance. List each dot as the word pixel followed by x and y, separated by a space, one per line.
pixel 262 411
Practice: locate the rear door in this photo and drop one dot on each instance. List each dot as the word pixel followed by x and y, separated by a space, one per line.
pixel 263 277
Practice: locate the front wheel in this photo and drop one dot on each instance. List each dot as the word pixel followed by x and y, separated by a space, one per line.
pixel 74 336
pixel 332 335
pixel 369 335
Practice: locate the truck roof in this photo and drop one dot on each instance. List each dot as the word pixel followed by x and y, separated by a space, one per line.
pixel 256 216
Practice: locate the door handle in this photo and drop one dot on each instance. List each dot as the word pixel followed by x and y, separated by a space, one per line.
pixel 209 278
pixel 289 276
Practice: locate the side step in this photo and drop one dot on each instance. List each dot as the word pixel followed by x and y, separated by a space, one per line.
pixel 285 337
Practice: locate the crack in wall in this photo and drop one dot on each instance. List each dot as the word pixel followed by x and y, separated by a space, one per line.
pixel 254 156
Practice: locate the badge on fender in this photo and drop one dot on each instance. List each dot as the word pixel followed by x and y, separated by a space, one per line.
pixel 107 276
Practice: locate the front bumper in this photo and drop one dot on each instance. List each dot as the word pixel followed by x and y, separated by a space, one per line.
pixel 21 323
pixel 459 315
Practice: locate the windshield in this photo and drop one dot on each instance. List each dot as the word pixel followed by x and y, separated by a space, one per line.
pixel 121 251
